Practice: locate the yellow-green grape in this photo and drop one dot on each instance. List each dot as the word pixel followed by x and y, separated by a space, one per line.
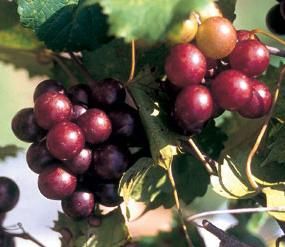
pixel 184 32
pixel 216 37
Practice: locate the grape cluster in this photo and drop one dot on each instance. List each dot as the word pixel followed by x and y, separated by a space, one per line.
pixel 9 196
pixel 275 18
pixel 218 72
pixel 82 141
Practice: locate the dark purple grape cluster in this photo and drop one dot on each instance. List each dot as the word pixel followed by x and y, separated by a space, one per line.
pixel 206 86
pixel 275 18
pixel 82 137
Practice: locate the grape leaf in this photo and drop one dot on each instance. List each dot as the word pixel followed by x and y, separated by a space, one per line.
pixel 9 150
pixel 114 60
pixel 275 197
pixel 65 25
pixel 112 231
pixel 228 8
pixel 163 141
pixel 146 19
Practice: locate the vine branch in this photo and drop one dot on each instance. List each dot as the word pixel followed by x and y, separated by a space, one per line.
pixel 256 145
pixel 133 64
pixel 177 202
pixel 81 68
pixel 235 211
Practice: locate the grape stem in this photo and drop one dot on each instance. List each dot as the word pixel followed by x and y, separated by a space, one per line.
pixel 133 64
pixel 258 141
pixel 270 35
pixel 85 73
pixel 24 235
pixel 191 147
pixel 177 202
pixel 235 211
pixel 59 61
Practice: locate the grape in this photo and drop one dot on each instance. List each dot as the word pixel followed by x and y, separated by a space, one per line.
pixel 260 103
pixel 78 110
pixel 48 86
pixel 79 94
pixel 9 194
pixel 124 121
pixel 52 108
pixel 231 89
pixel 96 125
pixel 250 57
pixel 24 126
pixel 110 161
pixel 65 140
pixel 38 157
pixel 274 20
pixel 193 107
pixel 107 195
pixel 108 92
pixel 79 205
pixel 185 65
pixel 80 163
pixel 56 183
pixel 183 32
pixel 216 37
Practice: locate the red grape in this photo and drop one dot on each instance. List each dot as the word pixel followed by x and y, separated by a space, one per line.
pixel 185 65
pixel 9 194
pixel 48 86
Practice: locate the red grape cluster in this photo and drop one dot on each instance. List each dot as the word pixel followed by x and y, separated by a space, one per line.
pixel 219 72
pixel 82 139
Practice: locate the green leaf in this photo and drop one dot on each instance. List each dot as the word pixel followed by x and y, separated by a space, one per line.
pixel 9 150
pixel 191 178
pixel 275 197
pixel 163 141
pixel 148 183
pixel 12 34
pixel 114 60
pixel 112 232
pixel 146 19
pixel 65 25
pixel 228 8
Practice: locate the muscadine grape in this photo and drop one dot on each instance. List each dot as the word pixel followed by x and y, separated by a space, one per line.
pixel 108 92
pixel 260 103
pixel 274 20
pixel 110 161
pixel 193 107
pixel 56 183
pixel 250 57
pixel 52 108
pixel 231 89
pixel 38 157
pixel 96 125
pixel 124 121
pixel 80 163
pixel 65 140
pixel 79 94
pixel 183 32
pixel 107 195
pixel 48 86
pixel 9 194
pixel 24 126
pixel 185 65
pixel 79 205
pixel 216 37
